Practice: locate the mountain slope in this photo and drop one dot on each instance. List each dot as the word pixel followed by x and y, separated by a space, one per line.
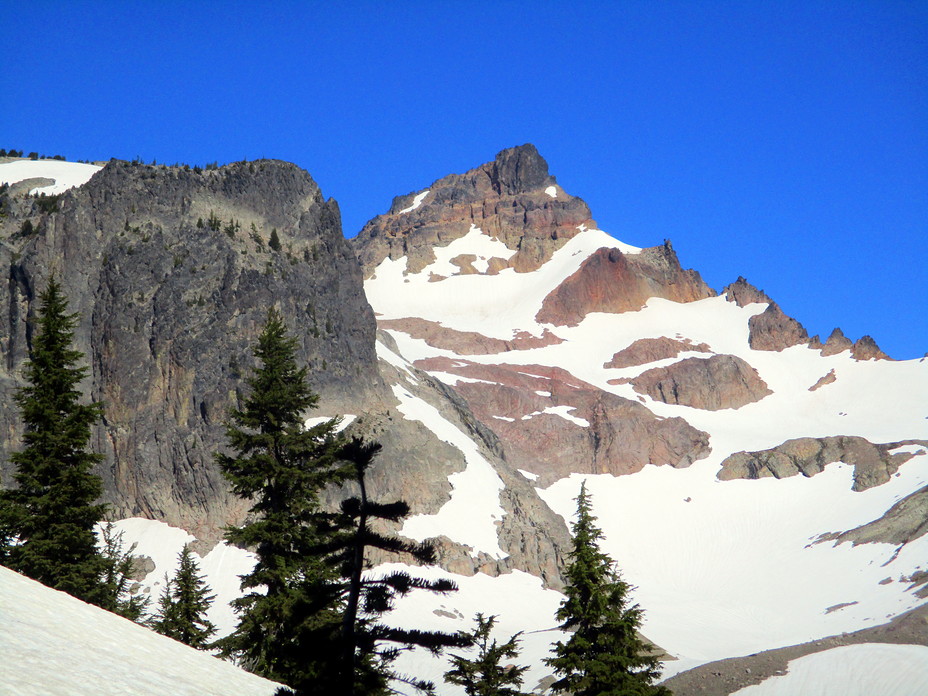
pixel 55 645
pixel 604 362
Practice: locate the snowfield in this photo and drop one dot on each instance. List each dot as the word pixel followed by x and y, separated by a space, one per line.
pixel 66 174
pixel 852 670
pixel 55 645
pixel 722 569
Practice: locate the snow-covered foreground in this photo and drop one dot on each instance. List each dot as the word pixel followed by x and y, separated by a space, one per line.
pixel 54 645
pixel 66 174
pixel 852 670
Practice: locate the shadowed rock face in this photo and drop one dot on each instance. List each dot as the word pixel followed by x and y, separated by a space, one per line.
pixel 774 330
pixel 865 348
pixel 742 293
pixel 506 198
pixel 721 381
pixel 836 343
pixel 610 281
pixel 170 309
pixel 873 463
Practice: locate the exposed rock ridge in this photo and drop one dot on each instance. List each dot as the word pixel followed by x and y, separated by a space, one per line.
pixel 712 384
pixel 172 272
pixel 506 198
pixel 466 342
pixel 773 330
pixel 742 293
pixel 873 463
pixel 552 424
pixel 415 466
pixel 610 281
pixel 647 350
pixel 905 521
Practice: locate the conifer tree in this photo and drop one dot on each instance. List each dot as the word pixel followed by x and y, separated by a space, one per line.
pixel 289 621
pixel 53 510
pixel 118 566
pixel 183 604
pixel 483 675
pixel 604 656
pixel 370 646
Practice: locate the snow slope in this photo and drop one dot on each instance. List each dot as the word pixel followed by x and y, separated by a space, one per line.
pixel 852 670
pixel 55 645
pixel 722 568
pixel 66 174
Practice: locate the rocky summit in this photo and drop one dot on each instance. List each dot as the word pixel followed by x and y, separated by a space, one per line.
pixel 764 491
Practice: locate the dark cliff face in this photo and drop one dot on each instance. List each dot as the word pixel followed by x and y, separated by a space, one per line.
pixel 172 271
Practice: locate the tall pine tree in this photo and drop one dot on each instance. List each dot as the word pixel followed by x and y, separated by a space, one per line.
pixel 53 510
pixel 482 674
pixel 369 646
pixel 184 601
pixel 604 656
pixel 289 621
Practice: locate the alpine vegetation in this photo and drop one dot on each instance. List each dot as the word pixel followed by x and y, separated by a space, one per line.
pixel 47 522
pixel 604 654
pixel 183 604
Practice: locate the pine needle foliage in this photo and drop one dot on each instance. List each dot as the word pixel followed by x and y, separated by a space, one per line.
pixel 183 604
pixel 119 565
pixel 483 674
pixel 288 616
pixel 53 511
pixel 604 656
pixel 370 646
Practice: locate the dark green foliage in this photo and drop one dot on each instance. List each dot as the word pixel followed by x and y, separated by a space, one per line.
pixel 183 604
pixel 274 241
pixel 118 568
pixel 53 510
pixel 213 222
pixel 47 204
pixel 604 656
pixel 483 675
pixel 290 631
pixel 369 646
pixel 26 228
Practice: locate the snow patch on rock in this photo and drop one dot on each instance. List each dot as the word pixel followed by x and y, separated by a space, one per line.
pixel 66 174
pixel 474 512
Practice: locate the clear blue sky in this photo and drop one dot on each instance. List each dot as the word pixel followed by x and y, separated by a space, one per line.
pixel 783 141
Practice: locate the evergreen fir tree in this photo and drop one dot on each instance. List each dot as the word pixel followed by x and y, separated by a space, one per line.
pixel 289 620
pixel 53 510
pixel 483 675
pixel 604 656
pixel 274 241
pixel 116 578
pixel 369 646
pixel 183 604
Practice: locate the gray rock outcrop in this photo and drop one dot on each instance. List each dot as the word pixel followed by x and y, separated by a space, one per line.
pixel 873 463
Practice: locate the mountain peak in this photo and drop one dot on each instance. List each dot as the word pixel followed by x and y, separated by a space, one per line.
pixel 519 170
